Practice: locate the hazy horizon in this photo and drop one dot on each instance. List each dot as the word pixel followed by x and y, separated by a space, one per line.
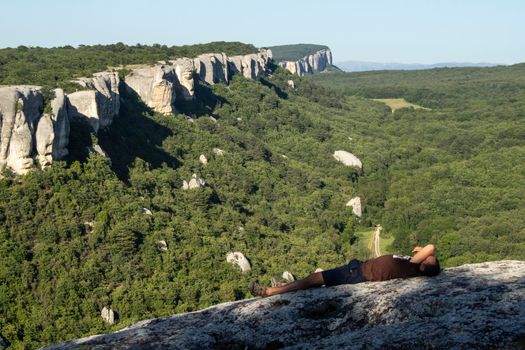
pixel 407 31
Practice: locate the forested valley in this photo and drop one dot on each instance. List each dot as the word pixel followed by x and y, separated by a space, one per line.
pixel 85 233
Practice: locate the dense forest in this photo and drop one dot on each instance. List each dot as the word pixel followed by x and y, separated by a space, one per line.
pixel 56 67
pixel 84 233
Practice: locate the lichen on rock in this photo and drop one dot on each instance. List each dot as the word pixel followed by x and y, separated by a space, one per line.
pixel 471 306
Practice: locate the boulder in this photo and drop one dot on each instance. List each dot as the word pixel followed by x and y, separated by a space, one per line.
pixel 218 151
pixel 108 315
pixel 238 259
pixel 477 306
pixel 100 103
pixel 20 111
pixel 347 159
pixel 318 269
pixel 146 211
pixel 291 84
pixel 195 182
pixel 355 203
pixel 155 85
pixel 163 246
pixel 203 160
pixel 288 276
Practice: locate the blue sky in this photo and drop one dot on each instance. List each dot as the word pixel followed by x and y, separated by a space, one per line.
pixel 423 31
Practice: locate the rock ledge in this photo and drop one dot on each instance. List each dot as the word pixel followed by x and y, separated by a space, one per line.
pixel 471 306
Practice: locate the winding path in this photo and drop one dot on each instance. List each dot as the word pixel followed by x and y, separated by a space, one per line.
pixel 377 247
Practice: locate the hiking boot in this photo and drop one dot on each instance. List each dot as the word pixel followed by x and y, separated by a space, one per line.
pixel 276 283
pixel 256 289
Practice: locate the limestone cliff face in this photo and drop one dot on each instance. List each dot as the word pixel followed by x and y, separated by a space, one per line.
pixel 100 103
pixel 159 85
pixel 467 307
pixel 52 134
pixel 26 133
pixel 310 64
pixel 155 86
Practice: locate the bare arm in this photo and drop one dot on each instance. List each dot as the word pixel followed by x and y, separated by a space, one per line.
pixel 422 253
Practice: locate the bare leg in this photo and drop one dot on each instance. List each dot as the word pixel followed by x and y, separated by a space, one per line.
pixel 313 280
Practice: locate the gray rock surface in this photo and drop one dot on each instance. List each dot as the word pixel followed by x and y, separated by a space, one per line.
pixel 314 63
pixel 155 85
pixel 20 110
pixel 186 83
pixel 467 307
pixel 100 103
pixel 212 67
pixel 52 134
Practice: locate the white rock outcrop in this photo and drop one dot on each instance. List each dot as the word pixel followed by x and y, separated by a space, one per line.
pixel 476 306
pixel 203 160
pixel 238 258
pixel 163 246
pixel 108 315
pixel 26 132
pixel 52 133
pixel 314 63
pixel 155 85
pixel 194 182
pixel 218 151
pixel 212 67
pixel 184 72
pixel 100 103
pixel 347 159
pixel 355 203
pixel 288 277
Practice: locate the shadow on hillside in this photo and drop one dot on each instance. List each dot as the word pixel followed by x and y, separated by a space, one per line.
pixel 204 103
pixel 451 310
pixel 134 135
pixel 280 92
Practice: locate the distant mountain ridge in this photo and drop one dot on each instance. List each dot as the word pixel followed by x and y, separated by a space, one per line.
pixel 362 66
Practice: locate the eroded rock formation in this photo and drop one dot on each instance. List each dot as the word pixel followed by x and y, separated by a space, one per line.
pixel 26 132
pixel 467 307
pixel 159 85
pixel 314 63
pixel 100 103
pixel 155 86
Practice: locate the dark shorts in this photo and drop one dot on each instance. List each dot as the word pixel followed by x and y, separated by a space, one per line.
pixel 347 274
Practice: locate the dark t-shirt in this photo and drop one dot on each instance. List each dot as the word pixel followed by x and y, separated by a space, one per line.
pixel 388 267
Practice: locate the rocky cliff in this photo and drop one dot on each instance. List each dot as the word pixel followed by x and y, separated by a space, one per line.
pixel 471 306
pixel 100 103
pixel 314 63
pixel 159 85
pixel 26 132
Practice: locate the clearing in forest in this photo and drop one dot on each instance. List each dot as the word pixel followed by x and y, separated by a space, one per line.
pixel 398 103
pixel 367 245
